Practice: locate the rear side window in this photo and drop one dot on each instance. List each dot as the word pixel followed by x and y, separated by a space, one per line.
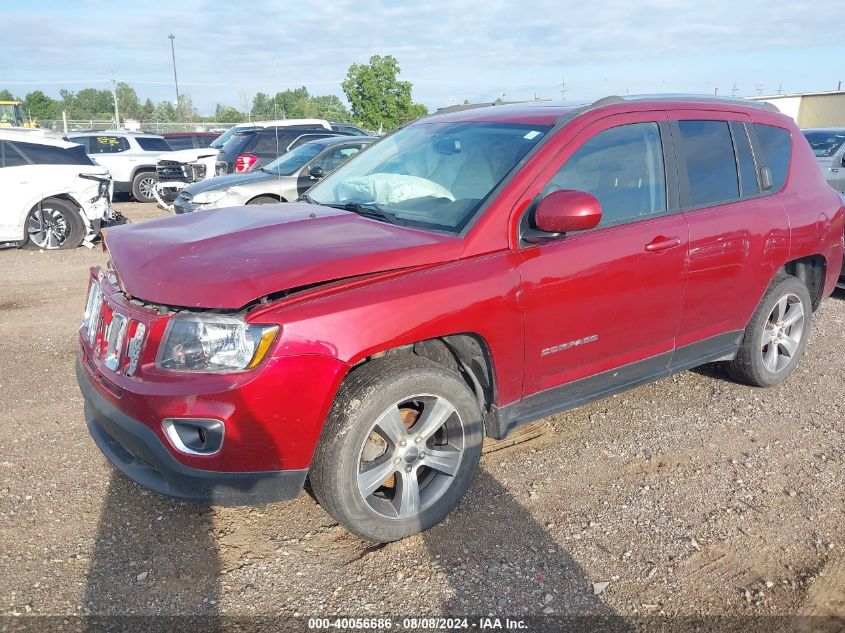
pixel 271 143
pixel 51 155
pixel 710 162
pixel 776 143
pixel 153 144
pixel 180 142
pixel 623 168
pixel 10 156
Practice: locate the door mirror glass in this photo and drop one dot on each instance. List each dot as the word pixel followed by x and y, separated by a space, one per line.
pixel 317 172
pixel 566 210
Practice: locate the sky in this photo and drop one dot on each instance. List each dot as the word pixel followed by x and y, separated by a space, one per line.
pixel 462 49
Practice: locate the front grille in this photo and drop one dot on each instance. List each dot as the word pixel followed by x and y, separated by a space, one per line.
pixel 170 170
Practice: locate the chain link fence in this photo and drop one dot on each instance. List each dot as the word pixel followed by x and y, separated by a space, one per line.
pixel 77 125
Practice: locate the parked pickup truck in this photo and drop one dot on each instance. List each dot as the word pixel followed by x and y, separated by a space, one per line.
pixel 471 272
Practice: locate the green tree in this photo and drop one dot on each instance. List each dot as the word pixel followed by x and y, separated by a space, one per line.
pixel 164 112
pixel 5 95
pixel 41 106
pixel 186 110
pixel 379 100
pixel 331 108
pixel 128 102
pixel 228 114
pixel 263 107
pixel 147 110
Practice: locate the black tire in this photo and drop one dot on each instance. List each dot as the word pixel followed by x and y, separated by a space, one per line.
pixel 364 398
pixel 65 227
pixel 140 184
pixel 264 200
pixel 749 365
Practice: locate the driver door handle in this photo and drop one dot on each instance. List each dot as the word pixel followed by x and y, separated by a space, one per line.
pixel 662 243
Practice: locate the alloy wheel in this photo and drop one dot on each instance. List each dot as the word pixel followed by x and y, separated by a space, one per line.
pixel 782 333
pixel 47 228
pixel 147 187
pixel 411 456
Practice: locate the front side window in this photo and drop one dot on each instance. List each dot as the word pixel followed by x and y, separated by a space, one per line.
pixel 623 168
pixel 288 164
pixel 777 150
pixel 107 144
pixel 707 148
pixel 335 157
pixel 52 155
pixel 430 175
pixel 152 144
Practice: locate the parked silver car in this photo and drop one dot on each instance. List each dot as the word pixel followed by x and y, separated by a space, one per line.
pixel 829 147
pixel 283 180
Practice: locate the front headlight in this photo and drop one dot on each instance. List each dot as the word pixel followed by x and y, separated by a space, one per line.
pixel 210 343
pixel 208 197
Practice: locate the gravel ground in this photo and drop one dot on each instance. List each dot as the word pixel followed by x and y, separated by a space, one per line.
pixel 690 496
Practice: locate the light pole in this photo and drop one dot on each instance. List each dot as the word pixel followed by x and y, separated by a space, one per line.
pixel 172 37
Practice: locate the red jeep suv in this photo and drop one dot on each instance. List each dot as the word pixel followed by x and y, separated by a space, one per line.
pixel 471 272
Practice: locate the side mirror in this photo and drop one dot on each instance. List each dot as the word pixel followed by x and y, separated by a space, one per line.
pixel 316 172
pixel 564 211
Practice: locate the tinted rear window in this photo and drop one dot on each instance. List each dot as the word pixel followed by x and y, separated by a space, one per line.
pixel 181 142
pixel 51 155
pixel 10 156
pixel 776 143
pixel 153 144
pixel 272 142
pixel 711 166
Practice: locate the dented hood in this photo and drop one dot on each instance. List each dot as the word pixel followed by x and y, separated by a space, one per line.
pixel 226 258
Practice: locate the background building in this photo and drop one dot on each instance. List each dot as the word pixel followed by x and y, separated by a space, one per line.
pixel 811 109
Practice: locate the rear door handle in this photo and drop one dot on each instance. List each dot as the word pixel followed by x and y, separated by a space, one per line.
pixel 662 243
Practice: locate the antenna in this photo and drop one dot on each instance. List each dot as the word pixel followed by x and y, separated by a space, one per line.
pixel 734 90
pixel 563 88
pixel 780 89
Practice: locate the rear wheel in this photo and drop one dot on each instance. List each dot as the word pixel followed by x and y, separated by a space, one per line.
pixel 264 200
pixel 399 448
pixel 776 336
pixel 53 225
pixel 143 186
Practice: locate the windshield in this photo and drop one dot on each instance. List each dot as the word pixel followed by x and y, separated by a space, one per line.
pixel 288 164
pixel 431 175
pixel 825 144
pixel 220 141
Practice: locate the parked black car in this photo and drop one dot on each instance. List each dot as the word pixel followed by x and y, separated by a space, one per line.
pixel 252 148
pixel 348 128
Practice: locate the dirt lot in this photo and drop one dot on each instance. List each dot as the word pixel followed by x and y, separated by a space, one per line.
pixel 691 496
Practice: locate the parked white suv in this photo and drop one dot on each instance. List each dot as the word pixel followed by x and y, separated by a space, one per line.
pixel 53 195
pixel 130 156
pixel 176 170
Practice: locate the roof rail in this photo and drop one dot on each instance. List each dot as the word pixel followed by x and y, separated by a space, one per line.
pixel 615 99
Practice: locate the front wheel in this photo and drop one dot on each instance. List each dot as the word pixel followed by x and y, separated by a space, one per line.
pixel 54 225
pixel 776 336
pixel 399 448
pixel 264 200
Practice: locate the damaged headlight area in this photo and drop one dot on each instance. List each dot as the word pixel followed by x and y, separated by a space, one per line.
pixel 209 197
pixel 212 343
pixel 103 187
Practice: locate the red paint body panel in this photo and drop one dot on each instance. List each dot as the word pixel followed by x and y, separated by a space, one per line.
pixel 409 285
pixel 225 258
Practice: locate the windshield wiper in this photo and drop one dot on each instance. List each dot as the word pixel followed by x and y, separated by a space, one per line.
pixel 368 211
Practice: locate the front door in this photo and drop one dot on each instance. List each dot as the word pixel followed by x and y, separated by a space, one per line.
pixel 604 305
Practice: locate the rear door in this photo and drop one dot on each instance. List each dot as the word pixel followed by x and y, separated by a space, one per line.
pixel 609 298
pixel 737 231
